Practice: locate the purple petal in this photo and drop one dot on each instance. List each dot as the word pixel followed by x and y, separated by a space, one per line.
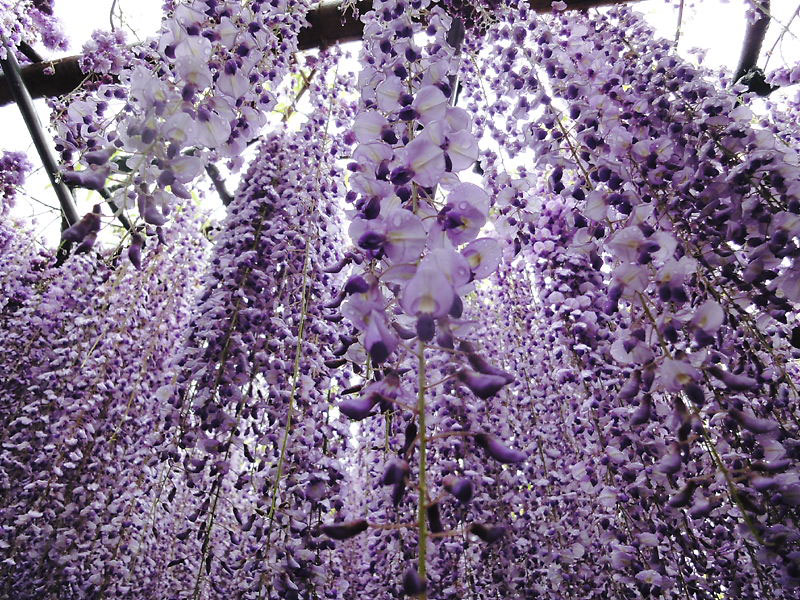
pixel 430 104
pixel 487 534
pixel 344 531
pixel 482 385
pixel 425 160
pixel 378 338
pixel 497 450
pixel 483 256
pixel 752 423
pixel 405 235
pixel 461 488
pixel 135 250
pixel 482 366
pixel 435 518
pixel 413 584
pixel 395 472
pixel 428 292
pixel 89 223
pixel 357 408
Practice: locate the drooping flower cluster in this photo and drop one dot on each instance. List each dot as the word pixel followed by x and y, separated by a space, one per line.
pixel 682 238
pixel 248 416
pixel 81 364
pixel 574 380
pixel 14 166
pixel 416 228
pixel 197 93
pixel 31 22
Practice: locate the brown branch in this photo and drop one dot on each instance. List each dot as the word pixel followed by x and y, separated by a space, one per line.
pixel 219 183
pixel 28 52
pixel 747 72
pixel 327 26
pixel 67 77
pixel 753 39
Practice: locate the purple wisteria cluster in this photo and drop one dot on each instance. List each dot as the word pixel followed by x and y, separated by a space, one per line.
pixel 660 219
pixel 29 22
pixel 248 435
pixel 416 228
pixel 14 166
pixel 510 313
pixel 81 365
pixel 196 93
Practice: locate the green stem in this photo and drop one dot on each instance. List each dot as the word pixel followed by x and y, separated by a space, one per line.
pixel 423 486
pixel 295 376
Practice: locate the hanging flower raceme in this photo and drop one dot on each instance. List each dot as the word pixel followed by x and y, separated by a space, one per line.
pixel 634 234
pixel 82 416
pixel 198 93
pixel 14 166
pixel 248 410
pixel 416 227
pixel 31 22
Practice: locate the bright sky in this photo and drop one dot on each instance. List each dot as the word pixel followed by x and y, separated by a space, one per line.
pixel 715 25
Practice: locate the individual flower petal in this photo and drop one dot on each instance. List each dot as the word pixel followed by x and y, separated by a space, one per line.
pixel 425 161
pixel 405 235
pixel 435 518
pixel 675 374
pixel 135 250
pixel 462 149
pixel 643 413
pixel 465 213
pixel 234 85
pixel 481 365
pixel 649 577
pixel 488 534
pixel 737 383
pixel 186 168
pixel 211 130
pixel 461 488
pixel 708 317
pixel 378 338
pixel 388 93
pixel 428 292
pixel 91 179
pixel 413 584
pixel 483 256
pixel 149 212
pixel 430 104
pixel 368 125
pixel 358 408
pixel 458 118
pixel 670 463
pixel 482 385
pixel 752 423
pixel 372 153
pixel 89 224
pixel 449 262
pixel 395 471
pixel 625 244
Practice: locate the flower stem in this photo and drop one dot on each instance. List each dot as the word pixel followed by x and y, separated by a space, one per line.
pixel 423 487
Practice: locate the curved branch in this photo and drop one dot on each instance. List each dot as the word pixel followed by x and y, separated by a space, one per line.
pixel 327 26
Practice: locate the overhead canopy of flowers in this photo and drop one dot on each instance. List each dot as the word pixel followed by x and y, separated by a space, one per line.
pixel 506 308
